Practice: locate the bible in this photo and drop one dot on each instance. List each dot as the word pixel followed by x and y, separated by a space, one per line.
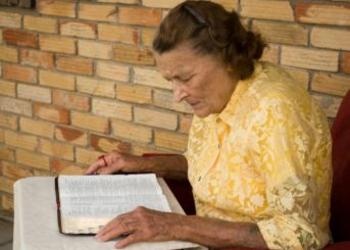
pixel 87 203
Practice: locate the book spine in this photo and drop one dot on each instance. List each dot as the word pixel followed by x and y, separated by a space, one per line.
pixel 58 203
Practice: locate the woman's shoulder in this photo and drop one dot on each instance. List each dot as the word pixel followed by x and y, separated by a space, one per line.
pixel 274 82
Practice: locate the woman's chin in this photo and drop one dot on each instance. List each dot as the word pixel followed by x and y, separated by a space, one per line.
pixel 200 112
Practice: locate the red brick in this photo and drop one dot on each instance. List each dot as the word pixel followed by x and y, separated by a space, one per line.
pixel 8 54
pixel 117 33
pixel 112 71
pixel 74 64
pixel 14 171
pixel 267 9
pixel 19 140
pixel 285 33
pixel 8 121
pixel 94 49
pixel 97 12
pixel 330 83
pixel 56 7
pixel 56 80
pixel 37 58
pixel 141 149
pixel 7 88
pixel 66 167
pixel 150 77
pixel 107 144
pixel 70 100
pixel 185 123
pixel 86 156
pixel 155 118
pixel 6 185
pixel 90 122
pixel 56 149
pixel 41 24
pixel 345 63
pixel 7 154
pixel 15 106
pixel 147 36
pixel 37 127
pixel 8 19
pixel 130 131
pixel 20 38
pixel 96 87
pixel 110 108
pixel 58 44
pixel 162 3
pixel 7 203
pixel 140 16
pixel 170 140
pixel 51 113
pixel 338 14
pixel 2 140
pixel 329 38
pixel 134 93
pixel 71 135
pixel 32 159
pixel 34 93
pixel 78 29
pixel 19 73
pixel 132 54
pixel 271 53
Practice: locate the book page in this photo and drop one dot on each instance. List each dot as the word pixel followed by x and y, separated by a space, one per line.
pixel 102 185
pixel 89 202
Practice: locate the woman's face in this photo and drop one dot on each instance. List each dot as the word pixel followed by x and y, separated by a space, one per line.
pixel 202 81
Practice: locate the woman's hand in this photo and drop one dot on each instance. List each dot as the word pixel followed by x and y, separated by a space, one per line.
pixel 115 162
pixel 141 224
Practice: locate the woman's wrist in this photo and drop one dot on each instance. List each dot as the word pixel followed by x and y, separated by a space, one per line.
pixel 177 227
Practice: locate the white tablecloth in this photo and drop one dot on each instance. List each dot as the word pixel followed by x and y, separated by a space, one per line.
pixel 36 221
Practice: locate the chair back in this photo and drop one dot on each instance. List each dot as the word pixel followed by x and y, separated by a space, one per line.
pixel 340 200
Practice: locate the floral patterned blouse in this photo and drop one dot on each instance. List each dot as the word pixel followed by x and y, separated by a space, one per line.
pixel 266 159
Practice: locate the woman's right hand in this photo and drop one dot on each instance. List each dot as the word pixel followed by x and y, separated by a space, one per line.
pixel 115 162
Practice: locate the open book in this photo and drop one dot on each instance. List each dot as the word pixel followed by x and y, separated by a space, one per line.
pixel 86 203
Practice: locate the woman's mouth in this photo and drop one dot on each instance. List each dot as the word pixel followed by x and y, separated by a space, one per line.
pixel 194 105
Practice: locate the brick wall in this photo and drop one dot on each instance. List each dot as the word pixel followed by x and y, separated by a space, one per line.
pixel 78 79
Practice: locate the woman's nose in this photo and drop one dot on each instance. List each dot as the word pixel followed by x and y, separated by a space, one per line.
pixel 179 93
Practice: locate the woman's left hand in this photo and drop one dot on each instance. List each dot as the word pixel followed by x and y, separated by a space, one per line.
pixel 141 224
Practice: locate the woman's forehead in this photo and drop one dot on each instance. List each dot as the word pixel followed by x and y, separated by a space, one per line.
pixel 175 60
pixel 181 60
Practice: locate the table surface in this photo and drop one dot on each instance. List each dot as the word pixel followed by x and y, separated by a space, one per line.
pixel 36 221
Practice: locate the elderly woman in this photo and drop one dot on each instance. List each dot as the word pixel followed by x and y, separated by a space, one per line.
pixel 258 155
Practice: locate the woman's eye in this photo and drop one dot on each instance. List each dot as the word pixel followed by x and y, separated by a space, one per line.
pixel 185 79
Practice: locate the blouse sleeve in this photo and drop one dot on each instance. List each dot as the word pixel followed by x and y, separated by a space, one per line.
pixel 295 162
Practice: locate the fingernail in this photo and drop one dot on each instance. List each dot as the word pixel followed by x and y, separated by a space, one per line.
pixel 99 238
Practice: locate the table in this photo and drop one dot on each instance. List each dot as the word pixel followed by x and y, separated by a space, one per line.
pixel 35 221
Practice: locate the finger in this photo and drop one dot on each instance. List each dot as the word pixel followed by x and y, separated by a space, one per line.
pixel 112 163
pixel 93 167
pixel 131 238
pixel 106 170
pixel 115 228
pixel 117 220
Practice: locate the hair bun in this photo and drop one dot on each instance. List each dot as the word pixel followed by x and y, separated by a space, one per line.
pixel 253 45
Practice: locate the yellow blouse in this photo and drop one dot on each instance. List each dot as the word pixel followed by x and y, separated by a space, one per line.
pixel 265 159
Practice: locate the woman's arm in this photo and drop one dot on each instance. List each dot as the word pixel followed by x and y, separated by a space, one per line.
pixel 171 166
pixel 144 224
pixel 219 233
